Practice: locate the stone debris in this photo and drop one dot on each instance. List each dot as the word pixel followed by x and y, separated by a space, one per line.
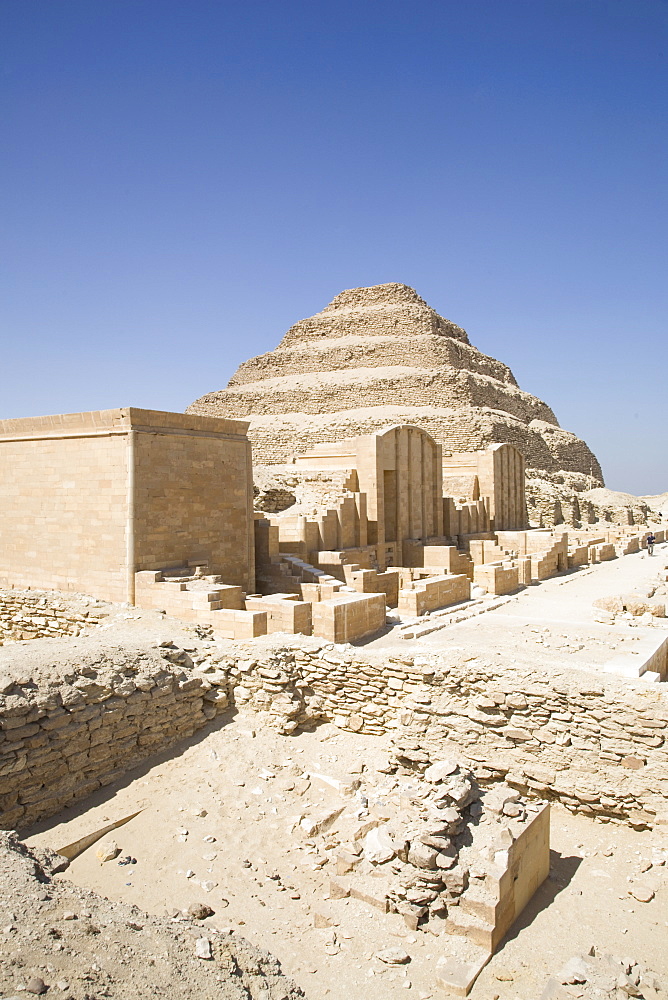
pixel 393 956
pixel 439 771
pixel 36 986
pixel 203 948
pixel 111 949
pixel 379 846
pixel 576 970
pixel 107 851
pixel 598 975
pixel 424 833
pixel 199 911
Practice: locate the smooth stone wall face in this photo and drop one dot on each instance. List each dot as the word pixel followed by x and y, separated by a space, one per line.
pixel 90 498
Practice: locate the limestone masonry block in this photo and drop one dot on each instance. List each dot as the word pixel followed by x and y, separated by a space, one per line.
pixel 433 593
pixel 348 617
pixel 121 485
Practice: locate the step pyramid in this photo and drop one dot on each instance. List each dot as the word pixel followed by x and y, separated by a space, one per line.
pixel 379 356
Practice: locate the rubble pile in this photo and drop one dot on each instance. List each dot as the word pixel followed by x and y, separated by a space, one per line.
pixel 408 844
pixel 597 976
pixel 418 844
pixel 645 604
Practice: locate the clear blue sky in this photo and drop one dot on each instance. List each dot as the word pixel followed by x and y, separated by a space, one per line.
pixel 181 180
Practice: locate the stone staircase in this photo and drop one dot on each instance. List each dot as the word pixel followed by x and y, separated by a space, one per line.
pixel 288 573
pixel 478 915
pixel 190 593
pixel 314 584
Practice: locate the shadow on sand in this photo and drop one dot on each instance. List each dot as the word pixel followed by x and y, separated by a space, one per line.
pixel 562 870
pixel 107 792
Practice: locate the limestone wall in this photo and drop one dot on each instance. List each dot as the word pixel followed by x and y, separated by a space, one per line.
pixel 87 498
pixel 599 747
pixel 64 503
pixel 29 615
pixel 63 737
pixel 193 499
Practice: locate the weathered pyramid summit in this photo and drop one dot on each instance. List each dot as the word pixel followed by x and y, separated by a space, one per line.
pixel 380 356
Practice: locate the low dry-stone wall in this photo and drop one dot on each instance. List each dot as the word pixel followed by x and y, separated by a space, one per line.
pixel 28 614
pixel 66 732
pixel 598 746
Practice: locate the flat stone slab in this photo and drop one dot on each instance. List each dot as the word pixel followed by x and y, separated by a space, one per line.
pixel 458 976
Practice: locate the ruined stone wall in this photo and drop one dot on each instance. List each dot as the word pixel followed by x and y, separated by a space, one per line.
pixel 278 487
pixel 555 502
pixel 599 747
pixel 30 615
pixel 62 737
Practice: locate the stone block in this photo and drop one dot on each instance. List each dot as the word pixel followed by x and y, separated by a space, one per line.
pixel 457 976
pixel 348 617
pixel 433 593
pixel 498 578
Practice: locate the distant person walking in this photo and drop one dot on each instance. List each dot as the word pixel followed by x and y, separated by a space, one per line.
pixel 651 539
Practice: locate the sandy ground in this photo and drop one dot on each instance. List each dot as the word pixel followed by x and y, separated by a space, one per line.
pixel 241 856
pixel 552 625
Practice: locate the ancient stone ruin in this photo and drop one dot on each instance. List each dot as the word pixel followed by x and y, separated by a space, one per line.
pixel 381 356
pixel 413 568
